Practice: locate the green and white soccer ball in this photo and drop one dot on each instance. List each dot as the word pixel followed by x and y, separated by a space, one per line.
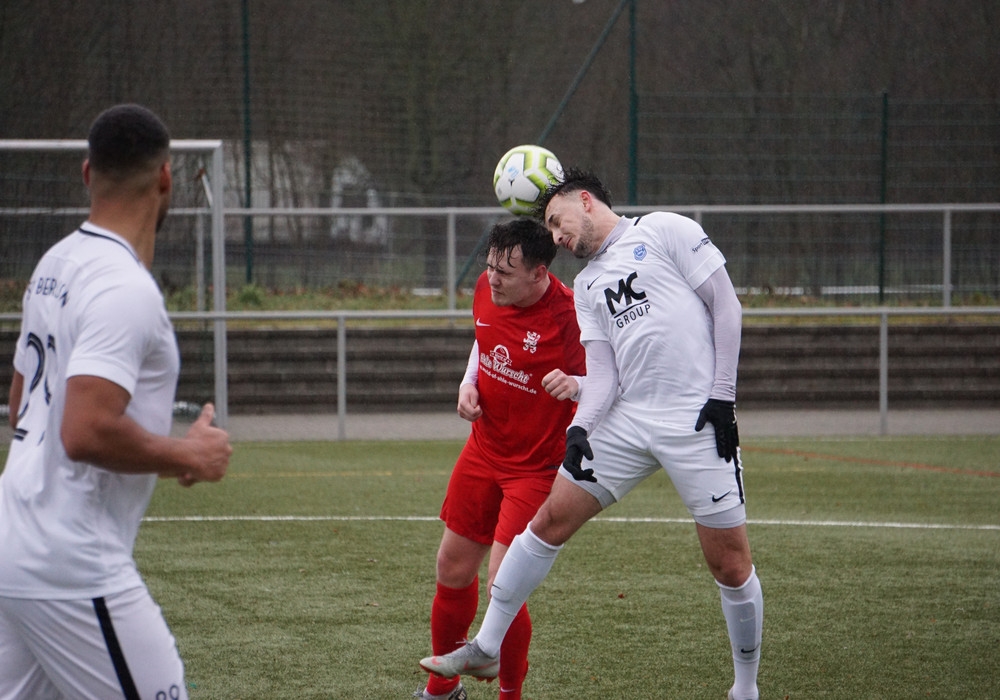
pixel 522 175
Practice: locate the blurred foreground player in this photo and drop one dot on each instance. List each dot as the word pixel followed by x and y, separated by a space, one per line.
pixel 96 368
pixel 660 322
pixel 520 374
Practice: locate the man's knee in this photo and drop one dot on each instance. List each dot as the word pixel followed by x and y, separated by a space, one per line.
pixel 556 522
pixel 727 553
pixel 733 571
pixel 455 574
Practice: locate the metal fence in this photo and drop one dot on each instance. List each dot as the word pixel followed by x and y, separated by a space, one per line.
pixel 853 253
pixel 883 314
pixel 907 254
pixel 868 253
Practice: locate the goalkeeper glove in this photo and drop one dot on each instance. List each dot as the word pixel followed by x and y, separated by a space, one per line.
pixel 577 447
pixel 722 416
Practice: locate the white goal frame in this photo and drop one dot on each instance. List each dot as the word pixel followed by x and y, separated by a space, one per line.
pixel 214 190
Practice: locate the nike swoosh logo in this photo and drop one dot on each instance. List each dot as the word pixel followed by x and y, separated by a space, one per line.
pixel 593 282
pixel 747 651
pixel 480 323
pixel 716 499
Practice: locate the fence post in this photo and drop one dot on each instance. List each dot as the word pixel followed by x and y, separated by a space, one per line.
pixel 883 374
pixel 946 261
pixel 219 290
pixel 341 377
pixel 633 110
pixel 884 190
pixel 452 275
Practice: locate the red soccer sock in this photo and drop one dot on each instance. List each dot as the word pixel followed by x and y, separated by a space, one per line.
pixel 514 656
pixel 452 613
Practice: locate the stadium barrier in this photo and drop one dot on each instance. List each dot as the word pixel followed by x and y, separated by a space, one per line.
pixel 312 362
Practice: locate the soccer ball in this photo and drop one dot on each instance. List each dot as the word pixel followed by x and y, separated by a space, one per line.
pixel 522 175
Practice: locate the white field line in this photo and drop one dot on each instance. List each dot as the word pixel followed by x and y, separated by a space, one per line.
pixel 669 521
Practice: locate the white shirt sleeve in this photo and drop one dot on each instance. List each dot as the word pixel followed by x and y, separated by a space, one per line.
pixel 602 385
pixel 727 318
pixel 117 323
pixel 472 369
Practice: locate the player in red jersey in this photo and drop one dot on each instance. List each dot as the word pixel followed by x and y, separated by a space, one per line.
pixel 526 332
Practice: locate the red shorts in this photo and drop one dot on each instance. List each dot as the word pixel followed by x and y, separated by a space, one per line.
pixel 484 503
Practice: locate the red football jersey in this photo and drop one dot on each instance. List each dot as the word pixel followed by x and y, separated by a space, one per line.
pixel 522 427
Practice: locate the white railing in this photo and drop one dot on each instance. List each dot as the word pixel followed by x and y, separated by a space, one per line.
pixel 220 319
pixel 695 211
pixel 342 317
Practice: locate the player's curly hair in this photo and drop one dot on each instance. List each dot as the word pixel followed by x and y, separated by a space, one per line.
pixel 574 180
pixel 537 246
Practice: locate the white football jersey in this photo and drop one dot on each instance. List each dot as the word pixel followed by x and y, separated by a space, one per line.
pixel 67 529
pixel 637 293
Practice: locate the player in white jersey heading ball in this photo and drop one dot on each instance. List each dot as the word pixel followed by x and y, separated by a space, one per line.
pixel 660 322
pixel 95 370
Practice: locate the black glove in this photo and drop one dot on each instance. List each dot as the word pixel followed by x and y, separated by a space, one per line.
pixel 577 448
pixel 722 416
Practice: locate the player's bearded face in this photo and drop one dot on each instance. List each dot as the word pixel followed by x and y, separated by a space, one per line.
pixel 571 226
pixel 585 244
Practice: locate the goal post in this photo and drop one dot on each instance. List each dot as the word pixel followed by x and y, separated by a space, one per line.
pixel 214 193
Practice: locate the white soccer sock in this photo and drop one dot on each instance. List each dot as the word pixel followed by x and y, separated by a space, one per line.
pixel 743 608
pixel 524 566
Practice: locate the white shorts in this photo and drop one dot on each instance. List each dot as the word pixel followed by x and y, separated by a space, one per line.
pixel 627 449
pixel 118 646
